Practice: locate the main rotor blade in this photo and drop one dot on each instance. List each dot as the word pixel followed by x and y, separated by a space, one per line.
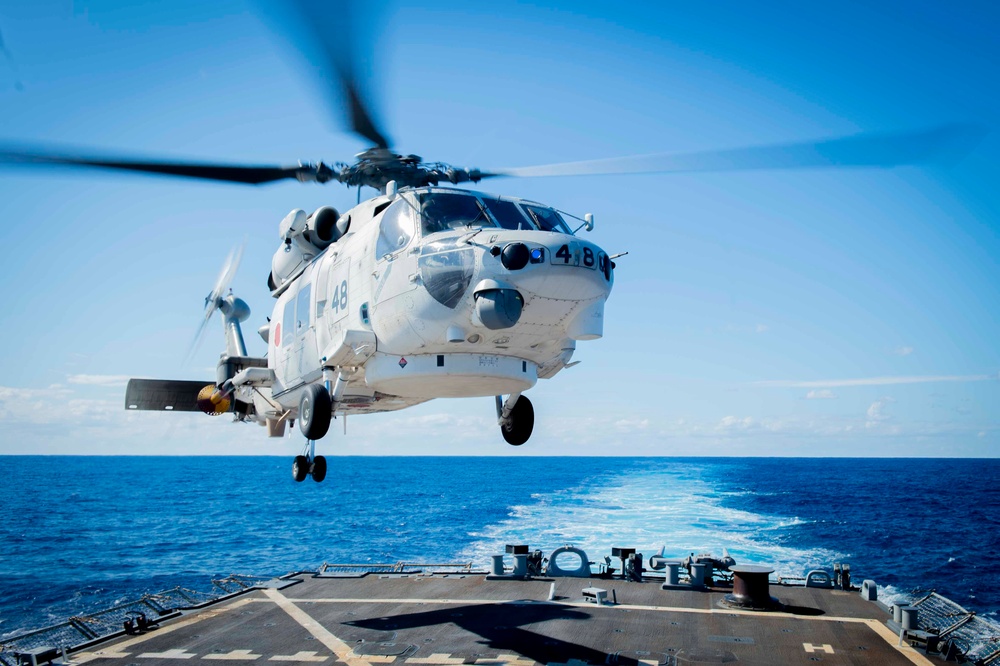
pixel 250 175
pixel 881 150
pixel 331 35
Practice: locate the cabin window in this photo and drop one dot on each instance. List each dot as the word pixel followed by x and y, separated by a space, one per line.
pixel 547 219
pixel 446 211
pixel 288 323
pixel 507 214
pixel 396 228
pixel 302 309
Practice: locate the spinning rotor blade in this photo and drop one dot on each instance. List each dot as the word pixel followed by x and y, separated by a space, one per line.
pixel 330 32
pixel 229 173
pixel 938 144
pixel 218 292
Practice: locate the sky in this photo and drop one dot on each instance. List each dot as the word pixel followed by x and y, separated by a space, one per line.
pixel 769 313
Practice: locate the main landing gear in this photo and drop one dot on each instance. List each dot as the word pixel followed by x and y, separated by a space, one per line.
pixel 315 413
pixel 309 464
pixel 516 417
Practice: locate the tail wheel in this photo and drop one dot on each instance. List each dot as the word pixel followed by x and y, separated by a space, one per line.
pixel 318 469
pixel 315 411
pixel 517 429
pixel 300 468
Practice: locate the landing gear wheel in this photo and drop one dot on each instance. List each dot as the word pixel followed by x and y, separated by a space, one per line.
pixel 517 428
pixel 315 411
pixel 318 469
pixel 300 468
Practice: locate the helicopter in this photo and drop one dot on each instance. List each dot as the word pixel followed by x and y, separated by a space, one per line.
pixel 427 290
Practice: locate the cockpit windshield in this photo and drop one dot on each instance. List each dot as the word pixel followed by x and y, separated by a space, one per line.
pixel 547 219
pixel 449 211
pixel 440 211
pixel 507 214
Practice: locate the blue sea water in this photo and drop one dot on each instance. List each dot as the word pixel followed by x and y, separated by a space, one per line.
pixel 82 533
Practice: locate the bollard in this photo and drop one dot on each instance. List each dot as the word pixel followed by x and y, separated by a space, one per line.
pixel 498 565
pixel 698 575
pixel 673 573
pixel 897 613
pixel 910 617
pixel 521 564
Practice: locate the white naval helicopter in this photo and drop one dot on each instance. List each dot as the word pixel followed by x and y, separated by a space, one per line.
pixel 427 291
pixel 419 293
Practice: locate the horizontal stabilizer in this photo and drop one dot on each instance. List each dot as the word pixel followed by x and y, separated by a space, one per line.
pixel 164 394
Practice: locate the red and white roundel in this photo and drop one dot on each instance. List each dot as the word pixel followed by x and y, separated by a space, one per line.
pixel 277 334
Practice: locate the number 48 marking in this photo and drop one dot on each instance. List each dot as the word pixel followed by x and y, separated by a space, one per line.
pixel 564 253
pixel 339 300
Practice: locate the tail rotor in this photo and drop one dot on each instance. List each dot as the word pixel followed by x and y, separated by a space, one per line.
pixel 220 298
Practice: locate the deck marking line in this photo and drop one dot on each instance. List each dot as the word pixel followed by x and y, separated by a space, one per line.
pixel 319 632
pixel 436 658
pixel 381 658
pixel 176 653
pixel 241 655
pixel 117 650
pixel 588 605
pixel 84 657
pixel 506 659
pixel 298 656
pixel 892 639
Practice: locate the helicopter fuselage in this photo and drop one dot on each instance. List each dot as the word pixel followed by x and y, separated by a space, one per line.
pixel 428 293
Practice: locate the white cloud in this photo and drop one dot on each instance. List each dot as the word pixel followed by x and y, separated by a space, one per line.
pixel 630 425
pixel 735 423
pixel 903 351
pixel 98 380
pixel 820 394
pixel 876 412
pixel 873 381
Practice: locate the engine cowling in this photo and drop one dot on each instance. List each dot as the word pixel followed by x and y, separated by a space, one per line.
pixel 325 226
pixel 302 238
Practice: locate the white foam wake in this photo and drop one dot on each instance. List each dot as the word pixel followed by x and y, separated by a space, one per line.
pixel 666 504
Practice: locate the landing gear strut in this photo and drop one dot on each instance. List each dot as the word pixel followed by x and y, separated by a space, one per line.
pixel 315 414
pixel 309 464
pixel 516 417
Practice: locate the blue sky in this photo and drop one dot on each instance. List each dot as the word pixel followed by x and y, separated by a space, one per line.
pixel 820 312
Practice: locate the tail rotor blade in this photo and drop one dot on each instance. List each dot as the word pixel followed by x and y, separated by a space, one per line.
pixel 228 271
pixel 226 275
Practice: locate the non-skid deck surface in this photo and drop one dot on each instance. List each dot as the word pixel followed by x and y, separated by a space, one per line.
pixel 416 619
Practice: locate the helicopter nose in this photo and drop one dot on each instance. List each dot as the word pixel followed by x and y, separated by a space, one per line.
pixel 565 268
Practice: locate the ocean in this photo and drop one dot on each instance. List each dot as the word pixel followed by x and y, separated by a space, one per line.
pixel 82 533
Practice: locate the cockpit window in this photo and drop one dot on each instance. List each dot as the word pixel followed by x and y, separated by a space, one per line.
pixel 396 228
pixel 507 214
pixel 441 211
pixel 547 219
